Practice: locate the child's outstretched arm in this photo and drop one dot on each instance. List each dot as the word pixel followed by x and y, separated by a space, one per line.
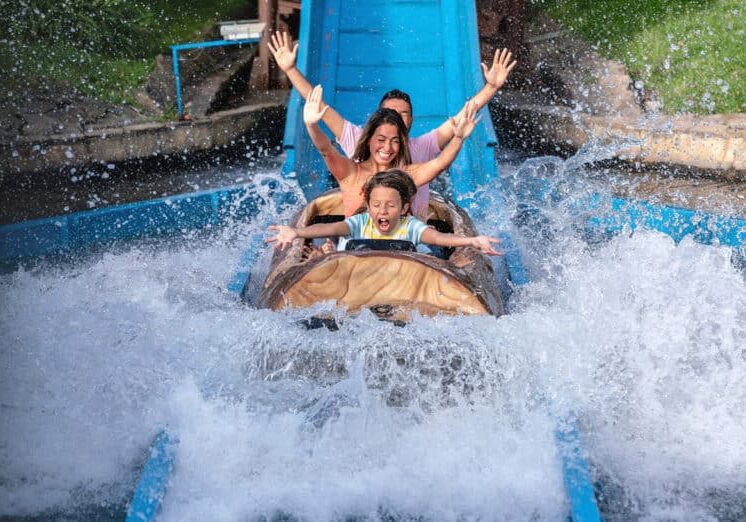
pixel 423 173
pixel 337 164
pixel 280 46
pixel 286 235
pixel 481 243
pixel 494 79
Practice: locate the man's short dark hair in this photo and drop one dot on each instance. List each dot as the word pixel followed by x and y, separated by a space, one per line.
pixel 396 94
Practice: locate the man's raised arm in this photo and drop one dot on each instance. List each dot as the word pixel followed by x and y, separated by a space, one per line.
pixel 285 56
pixel 494 78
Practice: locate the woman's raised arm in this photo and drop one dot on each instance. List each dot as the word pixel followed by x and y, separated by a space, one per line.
pixel 337 164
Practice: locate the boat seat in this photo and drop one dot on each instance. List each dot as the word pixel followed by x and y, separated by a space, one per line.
pixel 440 225
pixel 380 244
pixel 446 228
pixel 326 218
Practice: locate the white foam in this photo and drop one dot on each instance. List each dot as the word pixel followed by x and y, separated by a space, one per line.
pixel 448 418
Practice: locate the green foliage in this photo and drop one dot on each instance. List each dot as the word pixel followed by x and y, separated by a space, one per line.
pixel 102 48
pixel 690 52
pixel 114 27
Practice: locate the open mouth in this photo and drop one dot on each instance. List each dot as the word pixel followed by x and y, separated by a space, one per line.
pixel 383 224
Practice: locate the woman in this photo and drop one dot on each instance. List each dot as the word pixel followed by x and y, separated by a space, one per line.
pixel 383 145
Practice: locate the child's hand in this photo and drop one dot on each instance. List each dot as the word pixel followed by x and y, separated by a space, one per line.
pixel 312 111
pixel 466 124
pixel 484 244
pixel 279 46
pixel 312 251
pixel 500 70
pixel 328 246
pixel 284 238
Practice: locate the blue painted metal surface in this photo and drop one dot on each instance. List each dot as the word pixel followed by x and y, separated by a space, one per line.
pixel 197 45
pixel 613 215
pixel 512 259
pixel 428 48
pixel 703 227
pixel 151 488
pixel 242 273
pixel 576 472
pixel 80 230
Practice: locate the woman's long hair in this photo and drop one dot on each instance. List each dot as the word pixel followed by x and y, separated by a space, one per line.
pixel 378 118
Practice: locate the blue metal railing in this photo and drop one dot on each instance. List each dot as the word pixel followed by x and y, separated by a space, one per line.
pixel 197 45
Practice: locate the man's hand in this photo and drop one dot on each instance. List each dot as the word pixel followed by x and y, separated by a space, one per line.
pixel 502 65
pixel 279 46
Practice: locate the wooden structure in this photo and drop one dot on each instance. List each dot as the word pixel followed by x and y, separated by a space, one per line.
pixel 390 283
pixel 278 15
pixel 501 24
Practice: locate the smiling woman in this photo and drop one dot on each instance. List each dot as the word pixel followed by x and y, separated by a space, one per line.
pixel 382 145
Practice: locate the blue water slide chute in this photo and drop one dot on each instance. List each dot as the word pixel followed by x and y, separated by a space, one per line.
pixel 357 52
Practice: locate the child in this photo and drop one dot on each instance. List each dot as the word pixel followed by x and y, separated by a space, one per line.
pixel 388 195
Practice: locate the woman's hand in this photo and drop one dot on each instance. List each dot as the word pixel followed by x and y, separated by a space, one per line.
pixel 279 46
pixel 466 124
pixel 284 238
pixel 312 111
pixel 484 244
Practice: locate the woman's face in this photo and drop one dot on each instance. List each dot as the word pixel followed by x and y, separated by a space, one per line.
pixel 384 144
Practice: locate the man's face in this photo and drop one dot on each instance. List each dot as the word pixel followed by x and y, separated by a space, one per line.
pixel 402 107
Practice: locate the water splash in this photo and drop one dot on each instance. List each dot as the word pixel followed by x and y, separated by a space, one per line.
pixel 447 418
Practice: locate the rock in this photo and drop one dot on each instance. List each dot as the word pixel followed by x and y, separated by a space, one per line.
pixel 576 76
pixel 501 25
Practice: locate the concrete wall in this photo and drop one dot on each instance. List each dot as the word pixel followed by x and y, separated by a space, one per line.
pixel 132 142
pixel 714 143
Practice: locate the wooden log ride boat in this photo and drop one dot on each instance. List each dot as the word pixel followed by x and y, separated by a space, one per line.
pixel 379 275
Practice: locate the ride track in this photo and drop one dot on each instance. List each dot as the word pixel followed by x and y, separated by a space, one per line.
pixel 428 48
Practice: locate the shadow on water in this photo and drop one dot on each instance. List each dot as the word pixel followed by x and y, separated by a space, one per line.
pixel 34 195
pixel 85 512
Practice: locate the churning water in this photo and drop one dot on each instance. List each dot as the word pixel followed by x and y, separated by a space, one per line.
pixel 449 418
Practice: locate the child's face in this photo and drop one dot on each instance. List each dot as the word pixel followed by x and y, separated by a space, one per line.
pixel 384 144
pixel 386 209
